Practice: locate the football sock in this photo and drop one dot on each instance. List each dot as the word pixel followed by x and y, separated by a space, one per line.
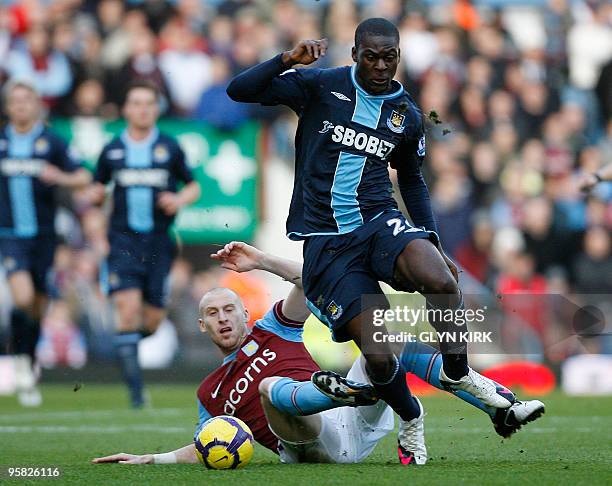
pixel 25 332
pixel 454 354
pixel 299 398
pixel 425 361
pixel 393 389
pixel 126 347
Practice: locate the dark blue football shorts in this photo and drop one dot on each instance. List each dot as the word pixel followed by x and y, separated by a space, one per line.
pixel 139 261
pixel 339 269
pixel 34 255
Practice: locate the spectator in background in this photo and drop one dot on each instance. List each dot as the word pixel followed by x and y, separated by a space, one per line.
pixel 521 289
pixel 215 107
pixel 36 62
pixel 185 66
pixel 474 254
pixel 143 64
pixel 545 238
pixel 593 266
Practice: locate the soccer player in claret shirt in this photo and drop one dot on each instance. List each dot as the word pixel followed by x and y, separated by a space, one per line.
pixel 264 380
pixel 33 161
pixel 353 122
pixel 146 168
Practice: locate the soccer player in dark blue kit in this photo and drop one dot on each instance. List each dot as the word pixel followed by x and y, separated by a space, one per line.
pixel 146 168
pixel 33 161
pixel 354 122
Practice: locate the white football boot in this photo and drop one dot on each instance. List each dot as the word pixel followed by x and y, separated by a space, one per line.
pixel 507 421
pixel 411 448
pixel 28 393
pixel 479 386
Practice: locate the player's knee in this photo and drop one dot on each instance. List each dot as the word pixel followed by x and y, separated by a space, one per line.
pixel 265 386
pixel 379 366
pixel 443 284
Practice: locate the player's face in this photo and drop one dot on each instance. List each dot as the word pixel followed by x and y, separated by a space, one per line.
pixel 377 58
pixel 22 106
pixel 141 108
pixel 224 318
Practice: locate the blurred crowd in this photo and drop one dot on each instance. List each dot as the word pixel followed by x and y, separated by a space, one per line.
pixel 517 97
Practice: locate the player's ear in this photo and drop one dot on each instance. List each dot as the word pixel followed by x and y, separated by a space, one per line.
pixel 354 53
pixel 246 316
pixel 202 326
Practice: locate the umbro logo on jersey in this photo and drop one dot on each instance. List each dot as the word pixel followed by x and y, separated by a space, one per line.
pixel 340 96
pixel 327 126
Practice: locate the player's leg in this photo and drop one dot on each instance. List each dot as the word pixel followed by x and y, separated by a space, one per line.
pixel 314 438
pixel 286 426
pixel 152 317
pixel 425 362
pixel 335 280
pixel 128 309
pixel 25 331
pixel 420 266
pixel 126 277
pixel 22 318
pixel 388 376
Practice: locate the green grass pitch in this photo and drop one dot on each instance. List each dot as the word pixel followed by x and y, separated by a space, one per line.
pixel 571 444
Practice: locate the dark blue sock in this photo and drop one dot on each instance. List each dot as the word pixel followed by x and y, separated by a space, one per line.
pixel 126 347
pixel 300 398
pixel 395 392
pixel 425 362
pixel 25 332
pixel 454 354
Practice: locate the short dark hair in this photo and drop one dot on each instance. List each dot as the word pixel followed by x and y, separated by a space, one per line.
pixel 142 84
pixel 377 27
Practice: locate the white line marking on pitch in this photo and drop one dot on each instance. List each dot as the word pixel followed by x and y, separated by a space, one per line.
pixel 89 429
pixel 88 413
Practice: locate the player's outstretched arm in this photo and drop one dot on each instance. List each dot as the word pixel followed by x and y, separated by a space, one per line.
pixel 184 455
pixel 255 85
pixel 589 181
pixel 240 257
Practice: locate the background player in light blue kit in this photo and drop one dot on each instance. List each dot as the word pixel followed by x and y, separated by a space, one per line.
pixel 146 168
pixel 33 161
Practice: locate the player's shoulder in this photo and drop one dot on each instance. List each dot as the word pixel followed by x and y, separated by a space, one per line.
pixel 275 322
pixel 406 106
pixel 48 132
pixel 113 149
pixel 335 73
pixel 168 141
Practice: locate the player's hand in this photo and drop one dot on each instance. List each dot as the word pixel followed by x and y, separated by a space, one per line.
pixel 587 182
pixel 305 52
pixel 169 202
pixel 123 458
pixel 239 257
pixel 50 175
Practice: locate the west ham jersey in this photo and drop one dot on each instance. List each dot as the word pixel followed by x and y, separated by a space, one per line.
pixel 140 171
pixel 274 348
pixel 344 143
pixel 27 205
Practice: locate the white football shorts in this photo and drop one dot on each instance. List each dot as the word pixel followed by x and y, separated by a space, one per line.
pixel 348 434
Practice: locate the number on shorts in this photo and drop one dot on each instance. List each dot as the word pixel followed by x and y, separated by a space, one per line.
pixel 399 226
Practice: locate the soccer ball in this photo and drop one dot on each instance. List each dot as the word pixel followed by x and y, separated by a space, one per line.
pixel 224 443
